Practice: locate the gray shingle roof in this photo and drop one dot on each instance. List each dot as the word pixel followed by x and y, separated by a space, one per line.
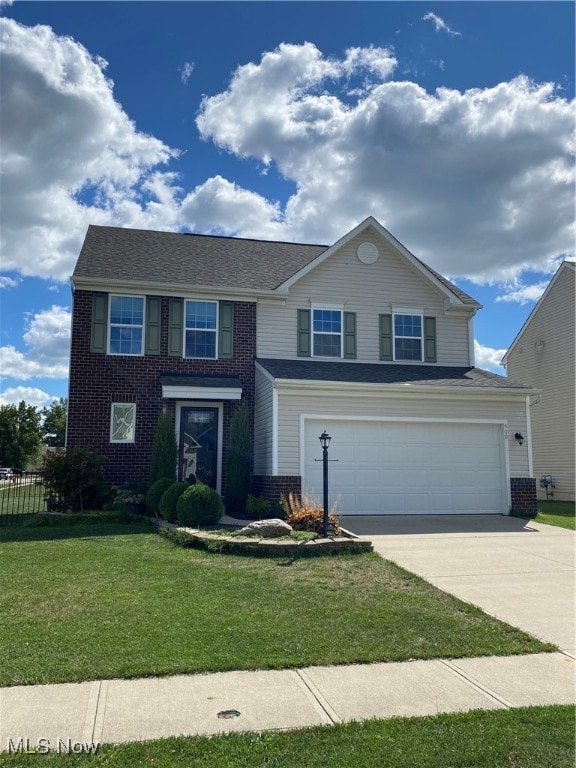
pixel 177 258
pixel 211 261
pixel 386 373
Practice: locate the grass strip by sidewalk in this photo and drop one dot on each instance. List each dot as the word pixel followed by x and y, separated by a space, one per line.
pixel 559 513
pixel 535 737
pixel 103 601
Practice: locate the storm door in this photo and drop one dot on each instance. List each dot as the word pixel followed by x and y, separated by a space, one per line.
pixel 199 445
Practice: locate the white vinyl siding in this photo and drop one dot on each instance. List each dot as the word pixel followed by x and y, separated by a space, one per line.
pixel 394 405
pixel 543 356
pixel 369 290
pixel 263 424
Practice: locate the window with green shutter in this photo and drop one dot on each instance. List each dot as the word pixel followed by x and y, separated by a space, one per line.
pixel 175 327
pixel 226 331
pixel 303 334
pixel 99 330
pixel 385 322
pixel 430 339
pixel 350 335
pixel 153 325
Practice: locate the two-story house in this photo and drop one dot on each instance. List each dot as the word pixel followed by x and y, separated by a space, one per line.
pixel 543 356
pixel 359 338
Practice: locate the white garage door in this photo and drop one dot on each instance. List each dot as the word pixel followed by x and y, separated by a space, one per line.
pixel 388 467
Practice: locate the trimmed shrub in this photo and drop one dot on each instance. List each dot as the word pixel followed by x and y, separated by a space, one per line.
pixel 155 493
pixel 239 460
pixel 199 505
pixel 167 505
pixel 258 508
pixel 164 449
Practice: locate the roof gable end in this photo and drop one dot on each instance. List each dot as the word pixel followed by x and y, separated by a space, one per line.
pixel 451 292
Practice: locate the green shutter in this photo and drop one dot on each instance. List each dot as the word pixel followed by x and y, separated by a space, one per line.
pixel 226 331
pixel 175 327
pixel 303 343
pixel 153 309
pixel 350 335
pixel 385 337
pixel 430 339
pixel 99 336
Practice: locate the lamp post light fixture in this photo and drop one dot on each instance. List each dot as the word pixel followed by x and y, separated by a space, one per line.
pixel 325 442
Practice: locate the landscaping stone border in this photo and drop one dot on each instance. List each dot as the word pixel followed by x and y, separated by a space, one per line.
pixel 346 542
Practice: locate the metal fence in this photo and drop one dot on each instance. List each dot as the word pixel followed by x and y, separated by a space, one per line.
pixel 20 497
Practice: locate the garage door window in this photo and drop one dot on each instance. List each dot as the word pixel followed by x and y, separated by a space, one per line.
pixel 407 337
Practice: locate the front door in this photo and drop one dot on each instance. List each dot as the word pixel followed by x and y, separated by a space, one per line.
pixel 199 445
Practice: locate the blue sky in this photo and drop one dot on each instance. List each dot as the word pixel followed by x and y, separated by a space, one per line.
pixel 452 123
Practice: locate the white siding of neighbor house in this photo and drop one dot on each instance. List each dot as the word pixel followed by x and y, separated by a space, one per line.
pixel 543 356
pixel 263 421
pixel 291 404
pixel 368 290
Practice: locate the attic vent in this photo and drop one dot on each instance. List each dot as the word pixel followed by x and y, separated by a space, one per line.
pixel 367 253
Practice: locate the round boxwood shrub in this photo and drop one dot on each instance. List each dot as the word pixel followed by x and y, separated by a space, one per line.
pixel 167 505
pixel 154 494
pixel 199 505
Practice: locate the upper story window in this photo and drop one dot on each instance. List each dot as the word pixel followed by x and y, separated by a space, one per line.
pixel 201 329
pixel 327 332
pixel 126 325
pixel 408 337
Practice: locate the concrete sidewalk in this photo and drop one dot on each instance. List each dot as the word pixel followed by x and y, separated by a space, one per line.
pixel 114 711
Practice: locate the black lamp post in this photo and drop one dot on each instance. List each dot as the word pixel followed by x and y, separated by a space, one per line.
pixel 325 442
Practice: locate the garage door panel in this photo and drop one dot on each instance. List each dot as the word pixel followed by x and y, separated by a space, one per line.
pixel 409 468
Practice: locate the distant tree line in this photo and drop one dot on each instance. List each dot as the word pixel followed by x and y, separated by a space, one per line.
pixel 24 430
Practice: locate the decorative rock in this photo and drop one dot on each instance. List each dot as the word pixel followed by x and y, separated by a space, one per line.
pixel 268 529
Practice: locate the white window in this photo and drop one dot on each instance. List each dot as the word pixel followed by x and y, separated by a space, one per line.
pixel 408 337
pixel 327 332
pixel 126 335
pixel 123 423
pixel 201 329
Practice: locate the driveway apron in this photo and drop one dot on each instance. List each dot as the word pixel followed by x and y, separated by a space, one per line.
pixel 520 571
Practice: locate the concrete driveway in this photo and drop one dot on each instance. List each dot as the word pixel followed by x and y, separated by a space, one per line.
pixel 519 571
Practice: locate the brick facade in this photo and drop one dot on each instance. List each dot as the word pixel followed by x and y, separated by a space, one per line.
pixel 272 487
pixel 523 494
pixel 98 380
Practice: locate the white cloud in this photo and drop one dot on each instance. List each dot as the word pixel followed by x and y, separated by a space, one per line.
pixel 8 282
pixel 524 294
pixel 31 395
pixel 70 154
pixel 478 184
pixel 48 340
pixel 440 25
pixel 220 207
pixel 186 71
pixel 488 358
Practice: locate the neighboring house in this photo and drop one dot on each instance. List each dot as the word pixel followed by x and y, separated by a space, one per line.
pixel 359 338
pixel 542 355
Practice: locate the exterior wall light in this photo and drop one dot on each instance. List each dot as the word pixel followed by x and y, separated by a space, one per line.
pixel 519 437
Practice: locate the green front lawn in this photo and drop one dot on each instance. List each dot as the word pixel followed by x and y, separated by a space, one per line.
pixel 102 601
pixel 560 513
pixel 536 737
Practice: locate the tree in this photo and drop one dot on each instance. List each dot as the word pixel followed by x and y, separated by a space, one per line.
pixel 164 449
pixel 20 436
pixel 54 423
pixel 239 462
